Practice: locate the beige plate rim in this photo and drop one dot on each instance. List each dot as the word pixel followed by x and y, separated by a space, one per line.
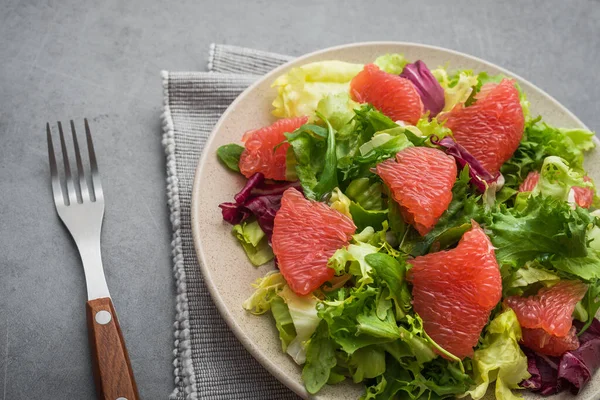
pixel 293 384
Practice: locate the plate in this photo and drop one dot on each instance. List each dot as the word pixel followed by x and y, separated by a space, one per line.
pixel 228 273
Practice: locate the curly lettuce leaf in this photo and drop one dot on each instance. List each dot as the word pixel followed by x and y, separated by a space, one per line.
pixel 541 140
pixel 499 358
pixel 340 202
pixel 266 289
pixel 392 63
pixel 351 260
pixel 545 227
pixel 254 241
pixel 457 88
pixel 300 89
pixel 557 179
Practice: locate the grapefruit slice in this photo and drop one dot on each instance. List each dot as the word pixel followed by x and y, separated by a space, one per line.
pixel 530 182
pixel 420 181
pixel 391 94
pixel 550 309
pixel 584 196
pixel 492 127
pixel 542 342
pixel 259 153
pixel 306 233
pixel 455 290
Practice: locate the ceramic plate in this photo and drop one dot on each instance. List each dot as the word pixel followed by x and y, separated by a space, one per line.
pixel 228 273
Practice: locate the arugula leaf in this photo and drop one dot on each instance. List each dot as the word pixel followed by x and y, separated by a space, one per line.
pixel 254 241
pixel 229 154
pixel 328 179
pixel 320 359
pixel 314 149
pixel 546 226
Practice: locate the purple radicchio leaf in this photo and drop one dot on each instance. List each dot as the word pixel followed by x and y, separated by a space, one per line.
pixel 573 370
pixel 578 366
pixel 430 90
pixel 258 198
pixel 481 178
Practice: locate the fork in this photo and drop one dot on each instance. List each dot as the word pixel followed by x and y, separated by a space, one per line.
pixel 82 211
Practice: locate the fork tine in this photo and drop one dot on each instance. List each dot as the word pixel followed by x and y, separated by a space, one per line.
pixel 68 178
pixel 85 194
pixel 56 188
pixel 96 184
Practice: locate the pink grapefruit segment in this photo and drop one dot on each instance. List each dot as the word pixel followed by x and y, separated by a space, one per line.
pixel 420 181
pixel 455 290
pixel 306 233
pixel 259 153
pixel 492 127
pixel 394 96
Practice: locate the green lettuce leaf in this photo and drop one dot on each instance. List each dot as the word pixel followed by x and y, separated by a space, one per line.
pixel 300 89
pixel 499 358
pixel 363 218
pixel 303 311
pixel 367 363
pixel 338 109
pixel 320 359
pixel 532 274
pixel 391 63
pixel 254 241
pixel 283 322
pixel 591 304
pixel 366 193
pixel 545 227
pixel 229 154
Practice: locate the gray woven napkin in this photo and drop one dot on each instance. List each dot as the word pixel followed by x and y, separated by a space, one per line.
pixel 210 363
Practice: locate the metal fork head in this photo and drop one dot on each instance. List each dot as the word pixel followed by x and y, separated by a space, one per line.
pixel 80 207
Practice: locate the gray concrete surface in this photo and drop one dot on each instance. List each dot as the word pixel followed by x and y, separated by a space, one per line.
pixel 62 59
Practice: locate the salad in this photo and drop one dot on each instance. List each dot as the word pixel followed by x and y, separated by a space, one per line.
pixel 433 238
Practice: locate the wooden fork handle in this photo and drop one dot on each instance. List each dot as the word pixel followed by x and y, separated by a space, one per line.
pixel 112 369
